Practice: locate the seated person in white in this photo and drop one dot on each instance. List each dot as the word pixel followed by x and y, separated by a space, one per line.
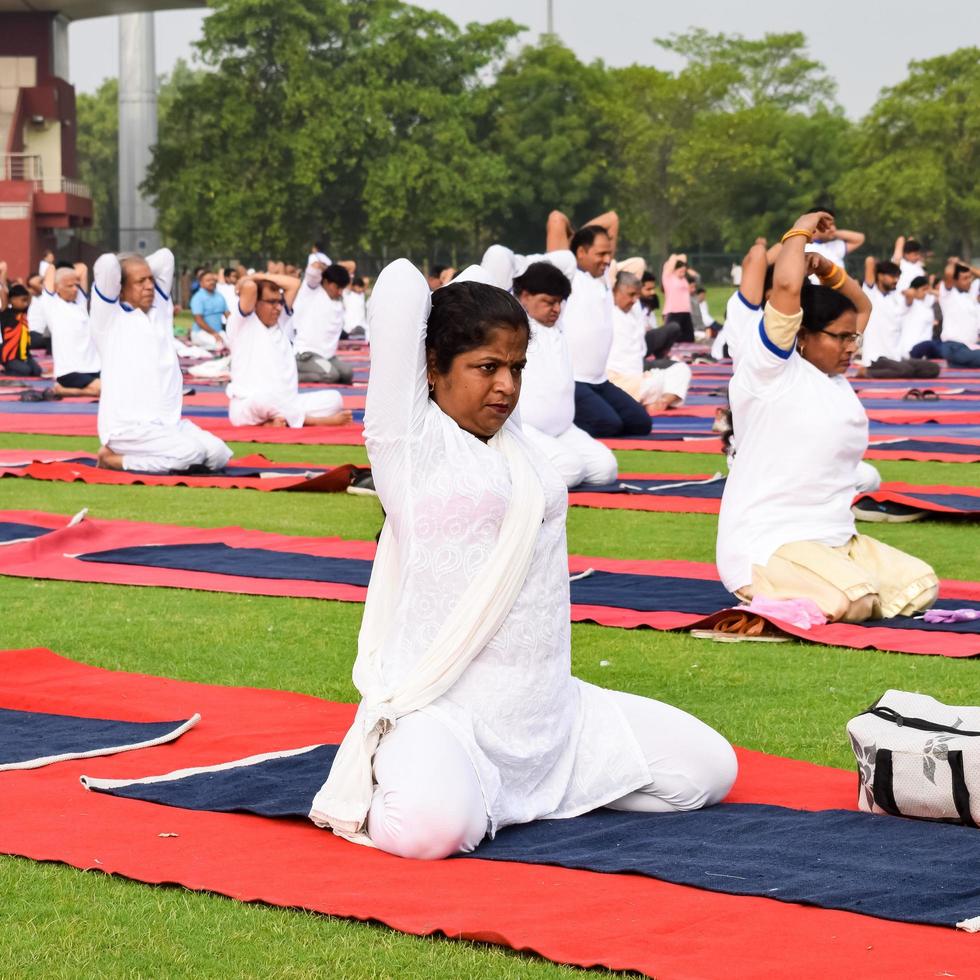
pixel 907 255
pixel 958 295
pixel 76 359
pixel 548 387
pixel 139 413
pixel 656 389
pixel 319 322
pixel 471 719
pixel 835 243
pixel 786 530
pixel 920 318
pixel 264 384
pixel 355 309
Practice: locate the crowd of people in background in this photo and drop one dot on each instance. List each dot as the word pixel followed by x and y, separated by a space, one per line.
pixel 611 339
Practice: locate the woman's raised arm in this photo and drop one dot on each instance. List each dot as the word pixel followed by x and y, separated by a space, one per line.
pixel 397 391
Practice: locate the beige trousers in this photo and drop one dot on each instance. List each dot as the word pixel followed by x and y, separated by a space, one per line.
pixel 863 579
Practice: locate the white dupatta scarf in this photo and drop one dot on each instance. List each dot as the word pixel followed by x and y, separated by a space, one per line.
pixel 343 801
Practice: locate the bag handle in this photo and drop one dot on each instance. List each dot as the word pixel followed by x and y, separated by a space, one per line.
pixel 920 724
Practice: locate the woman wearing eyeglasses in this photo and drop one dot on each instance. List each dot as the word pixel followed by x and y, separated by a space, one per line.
pixel 786 529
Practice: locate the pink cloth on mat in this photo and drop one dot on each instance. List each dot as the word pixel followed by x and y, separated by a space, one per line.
pixel 802 613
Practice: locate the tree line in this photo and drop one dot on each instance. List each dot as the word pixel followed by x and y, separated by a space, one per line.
pixel 382 129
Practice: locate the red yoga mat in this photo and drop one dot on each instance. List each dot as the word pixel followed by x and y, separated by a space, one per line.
pixel 54 465
pixel 621 922
pixel 51 556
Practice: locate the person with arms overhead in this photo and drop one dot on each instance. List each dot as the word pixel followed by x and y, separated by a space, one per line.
pixel 76 360
pixel 601 408
pixel 470 718
pixel 786 530
pixel 139 413
pixel 264 387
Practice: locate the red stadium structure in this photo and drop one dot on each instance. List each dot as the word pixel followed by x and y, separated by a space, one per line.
pixel 41 197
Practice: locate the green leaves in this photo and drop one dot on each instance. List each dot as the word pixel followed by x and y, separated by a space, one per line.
pixel 917 156
pixel 383 128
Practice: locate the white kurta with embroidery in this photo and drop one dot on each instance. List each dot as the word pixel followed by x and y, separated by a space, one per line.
pixel 543 743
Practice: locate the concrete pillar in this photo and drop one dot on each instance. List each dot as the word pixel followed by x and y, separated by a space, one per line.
pixel 59 48
pixel 137 131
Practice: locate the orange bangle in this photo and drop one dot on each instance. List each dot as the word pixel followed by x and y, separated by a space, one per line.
pixel 841 277
pixel 793 232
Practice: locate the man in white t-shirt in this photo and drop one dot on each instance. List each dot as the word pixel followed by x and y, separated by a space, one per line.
pixel 656 389
pixel 958 295
pixel 76 359
pixel 601 408
pixel 907 255
pixel 547 405
pixel 319 321
pixel 140 424
pixel 264 382
pixel 883 335
pixel 355 309
pixel 835 243
pixel 227 287
pixel 920 318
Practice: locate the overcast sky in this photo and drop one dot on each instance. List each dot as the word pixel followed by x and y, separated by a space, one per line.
pixel 864 46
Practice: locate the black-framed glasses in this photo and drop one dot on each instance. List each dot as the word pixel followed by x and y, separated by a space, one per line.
pixel 273 302
pixel 846 339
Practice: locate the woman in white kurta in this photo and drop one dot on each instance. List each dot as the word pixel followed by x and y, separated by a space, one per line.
pixel 786 530
pixel 515 737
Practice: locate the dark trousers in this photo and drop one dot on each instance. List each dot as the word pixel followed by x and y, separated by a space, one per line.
pixel 885 367
pixel 661 339
pixel 686 325
pixel 605 410
pixel 41 341
pixel 23 369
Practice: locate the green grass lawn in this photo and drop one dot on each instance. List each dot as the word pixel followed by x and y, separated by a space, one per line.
pixel 792 699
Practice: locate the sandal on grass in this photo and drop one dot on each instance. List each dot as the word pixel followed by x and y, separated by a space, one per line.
pixel 739 625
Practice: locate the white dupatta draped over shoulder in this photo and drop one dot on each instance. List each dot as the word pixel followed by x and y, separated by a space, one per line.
pixel 344 800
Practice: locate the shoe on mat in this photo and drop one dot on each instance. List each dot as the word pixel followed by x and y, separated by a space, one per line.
pixel 362 483
pixel 885 511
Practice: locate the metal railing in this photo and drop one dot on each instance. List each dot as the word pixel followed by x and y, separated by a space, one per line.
pixel 21 166
pixel 29 167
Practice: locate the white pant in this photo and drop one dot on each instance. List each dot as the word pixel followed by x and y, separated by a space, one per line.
pixel 576 455
pixel 261 408
pixel 428 803
pixel 202 338
pixel 163 448
pixel 216 368
pixel 654 383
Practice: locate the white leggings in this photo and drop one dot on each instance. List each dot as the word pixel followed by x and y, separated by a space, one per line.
pixel 428 803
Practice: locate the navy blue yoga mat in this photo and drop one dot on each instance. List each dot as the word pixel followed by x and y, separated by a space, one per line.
pixel 645 593
pixel 30 739
pixel 889 867
pixel 664 487
pixel 14 531
pixel 288 468
pixel 615 590
pixel 962 502
pixel 223 559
